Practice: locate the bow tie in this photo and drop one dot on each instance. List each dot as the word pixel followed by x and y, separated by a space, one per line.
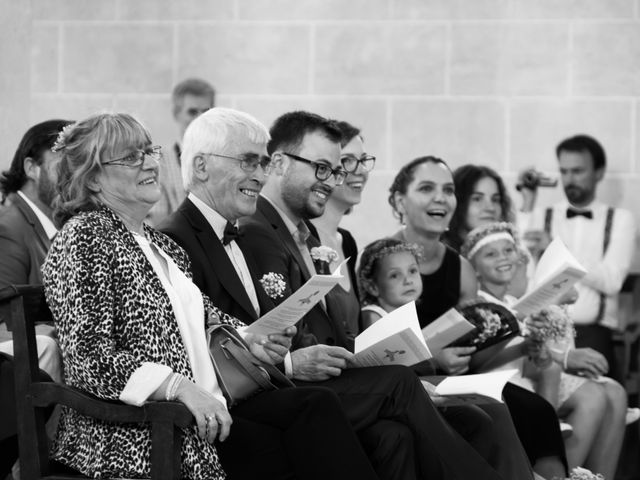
pixel 230 233
pixel 572 212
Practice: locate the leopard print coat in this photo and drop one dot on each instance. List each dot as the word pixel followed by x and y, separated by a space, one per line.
pixel 112 314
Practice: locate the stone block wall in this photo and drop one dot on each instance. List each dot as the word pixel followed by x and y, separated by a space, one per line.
pixel 499 82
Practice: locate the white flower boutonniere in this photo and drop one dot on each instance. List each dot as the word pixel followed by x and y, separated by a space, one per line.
pixel 580 473
pixel 324 254
pixel 322 257
pixel 273 284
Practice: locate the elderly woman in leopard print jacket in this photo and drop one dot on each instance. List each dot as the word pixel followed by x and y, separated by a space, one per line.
pixel 131 326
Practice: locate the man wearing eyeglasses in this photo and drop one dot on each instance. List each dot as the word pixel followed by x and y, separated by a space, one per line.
pixel 389 401
pixel 225 166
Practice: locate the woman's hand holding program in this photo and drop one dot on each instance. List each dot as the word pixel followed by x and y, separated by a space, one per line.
pixel 271 348
pixel 211 415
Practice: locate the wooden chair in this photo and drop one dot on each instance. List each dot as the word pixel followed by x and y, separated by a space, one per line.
pixel 22 307
pixel 627 341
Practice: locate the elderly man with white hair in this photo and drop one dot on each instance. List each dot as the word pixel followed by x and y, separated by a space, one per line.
pixel 225 166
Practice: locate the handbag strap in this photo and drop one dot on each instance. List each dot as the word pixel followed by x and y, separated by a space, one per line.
pixel 240 351
pixel 245 359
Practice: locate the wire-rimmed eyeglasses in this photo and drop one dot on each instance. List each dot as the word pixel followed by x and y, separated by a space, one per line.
pixel 137 157
pixel 250 162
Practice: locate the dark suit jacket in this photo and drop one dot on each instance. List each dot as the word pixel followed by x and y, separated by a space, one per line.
pixel 23 244
pixel 212 269
pixel 275 250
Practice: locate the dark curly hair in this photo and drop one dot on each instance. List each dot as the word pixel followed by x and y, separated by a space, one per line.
pixel 465 179
pixel 35 141
pixel 405 176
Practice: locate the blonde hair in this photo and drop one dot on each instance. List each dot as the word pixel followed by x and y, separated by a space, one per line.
pixel 84 146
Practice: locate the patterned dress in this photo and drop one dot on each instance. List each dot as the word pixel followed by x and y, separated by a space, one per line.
pixel 112 314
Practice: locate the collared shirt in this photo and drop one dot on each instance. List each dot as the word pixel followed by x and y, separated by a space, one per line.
pixel 218 224
pixel 584 238
pixel 188 307
pixel 49 228
pixel 297 232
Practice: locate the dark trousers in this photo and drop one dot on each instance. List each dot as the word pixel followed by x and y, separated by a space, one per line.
pixel 536 422
pixel 600 339
pixel 299 433
pixel 395 393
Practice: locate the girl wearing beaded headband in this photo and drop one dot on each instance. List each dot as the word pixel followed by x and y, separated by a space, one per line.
pixel 389 277
pixel 595 410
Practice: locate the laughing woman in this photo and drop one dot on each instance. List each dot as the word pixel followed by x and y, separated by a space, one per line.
pixel 423 197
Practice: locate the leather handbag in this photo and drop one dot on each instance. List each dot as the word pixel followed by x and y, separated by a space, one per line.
pixel 240 373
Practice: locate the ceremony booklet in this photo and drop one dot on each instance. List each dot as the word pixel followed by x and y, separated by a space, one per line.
pixel 289 312
pixel 468 389
pixel 556 272
pixel 395 339
pixel 446 329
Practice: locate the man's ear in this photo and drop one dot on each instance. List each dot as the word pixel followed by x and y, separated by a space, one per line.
pixel 599 174
pixel 279 162
pixel 200 168
pixel 31 169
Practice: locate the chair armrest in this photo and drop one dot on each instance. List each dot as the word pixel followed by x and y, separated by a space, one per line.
pixel 47 393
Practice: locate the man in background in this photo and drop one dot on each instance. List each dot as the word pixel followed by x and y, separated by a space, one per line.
pixel 190 98
pixel 600 236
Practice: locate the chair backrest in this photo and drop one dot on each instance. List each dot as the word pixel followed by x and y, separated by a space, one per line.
pixel 24 306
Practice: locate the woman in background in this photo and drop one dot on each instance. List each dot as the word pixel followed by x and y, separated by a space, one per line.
pixel 358 164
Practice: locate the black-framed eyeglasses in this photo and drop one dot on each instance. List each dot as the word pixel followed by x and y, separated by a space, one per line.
pixel 137 157
pixel 323 171
pixel 250 162
pixel 350 162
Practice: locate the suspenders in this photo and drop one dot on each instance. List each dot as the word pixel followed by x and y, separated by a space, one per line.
pixel 548 217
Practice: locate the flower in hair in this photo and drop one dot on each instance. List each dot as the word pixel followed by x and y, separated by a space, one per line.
pixel 273 284
pixel 61 141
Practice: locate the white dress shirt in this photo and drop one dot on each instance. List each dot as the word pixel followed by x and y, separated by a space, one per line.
pixel 49 228
pixel 218 224
pixel 188 308
pixel 584 238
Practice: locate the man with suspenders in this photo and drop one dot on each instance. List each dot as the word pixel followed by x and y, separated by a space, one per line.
pixel 601 237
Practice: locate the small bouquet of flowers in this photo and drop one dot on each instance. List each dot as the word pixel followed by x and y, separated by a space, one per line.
pixel 494 323
pixel 273 284
pixel 322 257
pixel 546 328
pixel 580 473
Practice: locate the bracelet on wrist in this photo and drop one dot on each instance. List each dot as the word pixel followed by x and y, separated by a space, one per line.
pixel 172 387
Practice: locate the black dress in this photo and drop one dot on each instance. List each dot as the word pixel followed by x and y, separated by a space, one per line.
pixel 535 419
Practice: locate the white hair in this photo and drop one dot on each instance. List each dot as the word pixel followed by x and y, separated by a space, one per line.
pixel 218 130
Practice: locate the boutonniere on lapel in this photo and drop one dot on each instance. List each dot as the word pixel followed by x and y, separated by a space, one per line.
pixel 273 284
pixel 322 257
